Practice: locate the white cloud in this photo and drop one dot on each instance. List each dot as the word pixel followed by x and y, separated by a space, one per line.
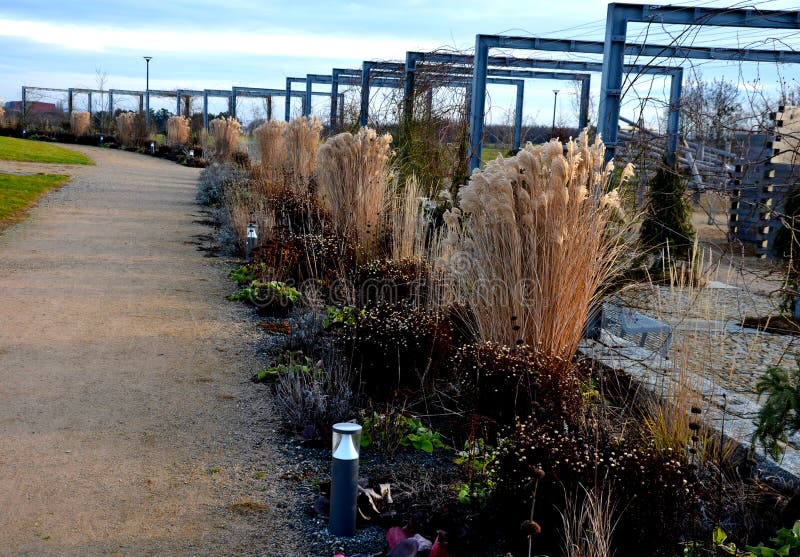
pixel 282 43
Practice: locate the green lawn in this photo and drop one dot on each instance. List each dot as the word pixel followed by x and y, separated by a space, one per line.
pixel 13 149
pixel 18 193
pixel 489 154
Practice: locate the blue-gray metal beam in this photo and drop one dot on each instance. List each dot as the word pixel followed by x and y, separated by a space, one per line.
pixel 414 58
pixel 617 18
pixel 257 92
pixel 336 75
pixel 222 93
pixel 397 68
pixel 69 100
pixel 483 43
pixel 24 108
pixel 290 94
pixel 180 93
pixel 311 79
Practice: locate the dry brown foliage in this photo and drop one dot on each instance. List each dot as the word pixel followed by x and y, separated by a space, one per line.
pixel 531 245
pixel 302 145
pixel 225 133
pixel 79 122
pixel 126 128
pixel 178 130
pixel 354 176
pixel 270 139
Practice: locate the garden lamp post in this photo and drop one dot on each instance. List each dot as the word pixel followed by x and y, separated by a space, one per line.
pixel 344 478
pixel 147 95
pixel 555 103
pixel 252 239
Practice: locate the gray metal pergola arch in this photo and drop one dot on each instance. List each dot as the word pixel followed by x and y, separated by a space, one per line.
pixel 311 79
pixel 615 47
pixel 483 43
pixel 392 78
pixel 220 93
pixel 306 107
pixel 185 94
pixel 70 91
pixel 254 92
pixel 414 58
pixel 497 75
pixel 127 93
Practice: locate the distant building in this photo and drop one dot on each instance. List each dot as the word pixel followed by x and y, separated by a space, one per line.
pixel 34 107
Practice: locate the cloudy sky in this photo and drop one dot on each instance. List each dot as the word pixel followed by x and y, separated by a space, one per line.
pixel 202 44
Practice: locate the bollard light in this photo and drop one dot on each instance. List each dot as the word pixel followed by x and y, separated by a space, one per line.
pixel 24 133
pixel 344 479
pixel 152 148
pixel 191 153
pixel 252 239
pixel 101 141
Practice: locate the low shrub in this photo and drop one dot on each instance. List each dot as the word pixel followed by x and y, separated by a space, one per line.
pixel 548 458
pixel 316 398
pixel 390 281
pixel 509 383
pixel 395 346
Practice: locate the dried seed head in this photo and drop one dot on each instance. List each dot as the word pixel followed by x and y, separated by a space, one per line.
pixel 530 528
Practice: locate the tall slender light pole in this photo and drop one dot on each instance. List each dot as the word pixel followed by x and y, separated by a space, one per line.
pixel 555 103
pixel 147 95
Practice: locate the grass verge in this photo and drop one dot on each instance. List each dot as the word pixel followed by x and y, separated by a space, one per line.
pixel 13 149
pixel 18 193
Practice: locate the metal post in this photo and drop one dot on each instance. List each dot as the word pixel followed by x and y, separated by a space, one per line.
pixel 408 93
pixel 555 104
pixel 674 114
pixel 287 113
pixel 363 116
pixel 205 110
pixel 611 81
pixel 232 107
pixel 344 479
pixel 307 106
pixel 24 108
pixel 583 116
pixel 518 115
pixel 478 102
pixel 269 107
pixel 334 98
pixel 69 100
pixel 90 107
pixel 341 111
pixel 110 104
pixel 141 103
pixel 178 105
pixel 147 95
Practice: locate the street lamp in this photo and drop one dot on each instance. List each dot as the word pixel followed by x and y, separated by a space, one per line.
pixel 147 95
pixel 555 103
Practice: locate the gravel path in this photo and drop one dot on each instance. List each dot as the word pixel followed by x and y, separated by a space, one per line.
pixel 128 425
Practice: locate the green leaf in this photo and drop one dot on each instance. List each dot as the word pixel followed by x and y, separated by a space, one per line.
pixel 719 536
pixel 426 445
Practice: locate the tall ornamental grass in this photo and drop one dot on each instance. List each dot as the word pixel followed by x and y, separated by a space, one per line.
pixel 225 133
pixel 533 242
pixel 270 140
pixel 353 175
pixel 302 146
pixel 126 128
pixel 78 122
pixel 178 130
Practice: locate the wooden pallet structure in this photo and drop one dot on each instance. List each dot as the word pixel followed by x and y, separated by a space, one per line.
pixel 762 180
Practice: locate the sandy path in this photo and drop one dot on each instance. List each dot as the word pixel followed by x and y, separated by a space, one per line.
pixel 122 376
